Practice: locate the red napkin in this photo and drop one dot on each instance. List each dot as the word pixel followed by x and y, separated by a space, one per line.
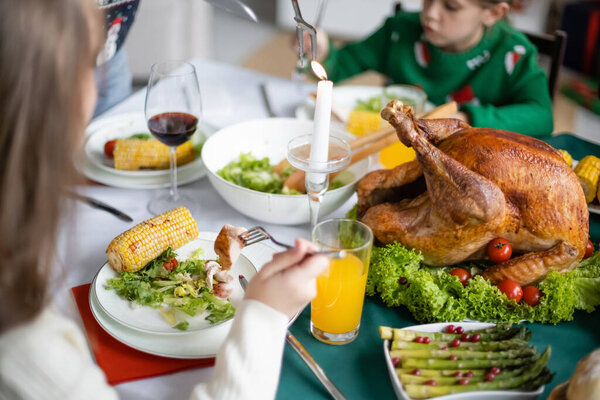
pixel 119 362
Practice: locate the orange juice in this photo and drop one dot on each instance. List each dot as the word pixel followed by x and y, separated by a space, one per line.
pixel 395 155
pixel 340 294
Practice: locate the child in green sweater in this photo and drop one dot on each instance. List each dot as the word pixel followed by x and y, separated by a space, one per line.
pixel 460 50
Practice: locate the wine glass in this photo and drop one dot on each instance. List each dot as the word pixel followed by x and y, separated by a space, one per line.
pixel 173 109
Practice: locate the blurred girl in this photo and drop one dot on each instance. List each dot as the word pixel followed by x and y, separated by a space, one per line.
pixel 48 50
pixel 462 50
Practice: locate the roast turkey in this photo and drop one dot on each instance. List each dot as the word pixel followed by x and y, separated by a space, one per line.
pixel 468 186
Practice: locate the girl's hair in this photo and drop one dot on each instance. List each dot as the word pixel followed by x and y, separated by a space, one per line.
pixel 46 48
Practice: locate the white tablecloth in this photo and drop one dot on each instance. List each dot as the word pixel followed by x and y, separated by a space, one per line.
pixel 230 94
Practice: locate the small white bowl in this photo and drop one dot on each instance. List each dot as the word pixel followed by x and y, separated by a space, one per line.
pixel 269 138
pixel 479 395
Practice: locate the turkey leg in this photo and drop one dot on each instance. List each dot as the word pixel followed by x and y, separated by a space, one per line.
pixel 532 267
pixel 476 200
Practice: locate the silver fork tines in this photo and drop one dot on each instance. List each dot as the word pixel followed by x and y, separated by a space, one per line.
pixel 258 234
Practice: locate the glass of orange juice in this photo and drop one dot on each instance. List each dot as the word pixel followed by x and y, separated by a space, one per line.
pixel 336 310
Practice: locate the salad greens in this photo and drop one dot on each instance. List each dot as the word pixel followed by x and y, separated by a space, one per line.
pixel 376 103
pixel 258 174
pixel 183 288
pixel 434 295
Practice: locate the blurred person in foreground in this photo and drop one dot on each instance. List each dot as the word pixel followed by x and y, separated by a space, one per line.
pixel 461 50
pixel 47 94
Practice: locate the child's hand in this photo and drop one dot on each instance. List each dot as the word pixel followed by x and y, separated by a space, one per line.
pixel 322 44
pixel 288 282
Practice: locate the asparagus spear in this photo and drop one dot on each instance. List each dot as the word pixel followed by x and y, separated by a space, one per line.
pixel 453 380
pixel 440 372
pixel 426 391
pixel 463 364
pixel 499 331
pixel 408 335
pixel 481 346
pixel 462 355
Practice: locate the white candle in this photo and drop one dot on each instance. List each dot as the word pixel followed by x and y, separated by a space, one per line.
pixel 319 149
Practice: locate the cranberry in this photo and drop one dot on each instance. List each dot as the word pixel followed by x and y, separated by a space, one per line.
pixel 395 360
pixel 457 374
pixel 489 377
pixel 463 381
pixel 416 372
pixel 453 357
pixel 450 329
pixel 465 337
pixel 419 339
pixel 426 340
pixel 431 382
pixel 476 338
pixel 455 343
pixel 402 281
pixel 495 370
pixel 444 348
pixel 468 374
pixel 459 330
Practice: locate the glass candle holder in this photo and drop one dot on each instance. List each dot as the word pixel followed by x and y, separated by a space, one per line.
pixel 317 173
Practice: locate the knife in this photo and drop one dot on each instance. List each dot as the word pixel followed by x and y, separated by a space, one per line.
pixel 101 205
pixel 265 96
pixel 305 356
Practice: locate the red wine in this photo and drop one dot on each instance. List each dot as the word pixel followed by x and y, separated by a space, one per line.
pixel 173 128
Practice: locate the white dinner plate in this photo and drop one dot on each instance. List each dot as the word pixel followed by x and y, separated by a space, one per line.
pixel 480 395
pixel 97 168
pixel 344 100
pixel 148 319
pixel 190 344
pixel 121 126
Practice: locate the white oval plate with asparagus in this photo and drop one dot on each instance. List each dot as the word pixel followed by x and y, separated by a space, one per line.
pixel 499 364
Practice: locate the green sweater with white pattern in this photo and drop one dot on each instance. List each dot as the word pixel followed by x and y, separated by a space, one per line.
pixel 498 83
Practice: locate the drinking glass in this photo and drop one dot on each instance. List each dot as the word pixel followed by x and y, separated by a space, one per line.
pixel 173 109
pixel 336 310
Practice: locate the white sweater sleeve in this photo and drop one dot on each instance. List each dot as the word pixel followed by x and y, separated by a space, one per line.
pixel 49 359
pixel 249 361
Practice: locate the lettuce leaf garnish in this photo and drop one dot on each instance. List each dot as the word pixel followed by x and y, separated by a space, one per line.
pixel 433 295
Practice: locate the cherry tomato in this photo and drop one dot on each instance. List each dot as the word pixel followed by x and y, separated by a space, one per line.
pixel 462 275
pixel 499 250
pixel 511 289
pixel 450 328
pixel 109 148
pixel 531 295
pixel 463 381
pixel 170 264
pixel 589 249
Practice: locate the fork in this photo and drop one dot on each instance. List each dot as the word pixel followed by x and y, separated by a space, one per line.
pixel 258 234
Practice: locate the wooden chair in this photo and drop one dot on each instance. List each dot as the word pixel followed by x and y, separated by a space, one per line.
pixel 548 45
pixel 553 47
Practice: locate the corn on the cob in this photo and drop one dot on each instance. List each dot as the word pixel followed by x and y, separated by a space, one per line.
pixel 135 154
pixel 133 249
pixel 363 122
pixel 567 157
pixel 588 172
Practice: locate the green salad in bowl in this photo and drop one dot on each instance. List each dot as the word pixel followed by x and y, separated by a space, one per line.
pixel 260 175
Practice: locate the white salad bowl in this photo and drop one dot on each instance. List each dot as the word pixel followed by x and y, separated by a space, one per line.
pixel 269 138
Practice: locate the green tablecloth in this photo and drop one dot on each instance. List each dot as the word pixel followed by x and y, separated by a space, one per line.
pixel 359 369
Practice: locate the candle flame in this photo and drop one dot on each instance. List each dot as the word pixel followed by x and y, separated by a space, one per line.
pixel 318 70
